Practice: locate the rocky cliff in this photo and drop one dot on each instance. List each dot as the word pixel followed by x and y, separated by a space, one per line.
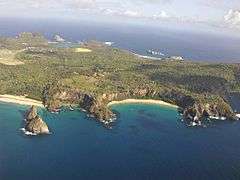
pixel 191 108
pixel 34 123
pixel 199 112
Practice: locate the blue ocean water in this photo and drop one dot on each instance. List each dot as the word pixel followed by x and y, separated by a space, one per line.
pixel 147 142
pixel 196 46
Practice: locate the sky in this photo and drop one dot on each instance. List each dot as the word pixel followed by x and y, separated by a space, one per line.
pixel 214 13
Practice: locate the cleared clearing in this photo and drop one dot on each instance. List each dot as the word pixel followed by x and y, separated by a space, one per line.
pixel 83 50
pixel 7 57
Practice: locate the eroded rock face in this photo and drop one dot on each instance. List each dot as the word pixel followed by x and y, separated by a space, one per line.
pixel 37 126
pixel 96 105
pixel 31 113
pixel 199 112
pixel 34 123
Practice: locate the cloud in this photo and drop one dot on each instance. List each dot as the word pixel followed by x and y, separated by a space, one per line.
pixel 160 15
pixel 130 13
pixel 122 12
pixel 136 14
pixel 233 17
pixel 194 11
pixel 109 11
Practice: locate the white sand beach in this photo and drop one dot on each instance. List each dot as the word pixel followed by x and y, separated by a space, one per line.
pixel 143 101
pixel 20 100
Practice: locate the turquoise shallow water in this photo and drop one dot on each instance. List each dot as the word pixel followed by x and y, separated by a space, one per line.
pixel 147 142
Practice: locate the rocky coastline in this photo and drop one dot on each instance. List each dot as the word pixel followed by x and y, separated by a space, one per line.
pixel 61 76
pixel 192 110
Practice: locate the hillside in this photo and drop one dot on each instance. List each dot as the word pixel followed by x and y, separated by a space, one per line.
pixel 62 75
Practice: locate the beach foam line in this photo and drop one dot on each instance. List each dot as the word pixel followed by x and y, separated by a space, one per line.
pixel 20 100
pixel 27 132
pixel 143 101
pixel 147 57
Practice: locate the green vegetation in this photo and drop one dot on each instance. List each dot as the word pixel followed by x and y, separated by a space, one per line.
pixel 108 70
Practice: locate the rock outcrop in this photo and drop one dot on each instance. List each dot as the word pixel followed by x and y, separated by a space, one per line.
pixel 192 110
pixel 34 123
pixel 199 112
pixel 31 113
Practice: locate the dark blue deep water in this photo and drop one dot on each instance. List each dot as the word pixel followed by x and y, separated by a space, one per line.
pixel 191 45
pixel 148 142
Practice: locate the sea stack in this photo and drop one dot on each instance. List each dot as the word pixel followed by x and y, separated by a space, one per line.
pixel 31 113
pixel 34 123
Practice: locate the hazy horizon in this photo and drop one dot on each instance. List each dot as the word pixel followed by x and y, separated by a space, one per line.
pixel 201 45
pixel 196 15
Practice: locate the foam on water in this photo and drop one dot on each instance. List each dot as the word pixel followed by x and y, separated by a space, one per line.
pixel 146 142
pixel 218 118
pixel 28 133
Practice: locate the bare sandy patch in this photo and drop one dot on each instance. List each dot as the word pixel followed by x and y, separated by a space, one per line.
pixel 7 57
pixel 83 50
pixel 23 100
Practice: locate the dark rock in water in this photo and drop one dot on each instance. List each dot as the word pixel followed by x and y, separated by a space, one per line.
pixel 199 112
pixel 34 123
pixel 37 126
pixel 31 113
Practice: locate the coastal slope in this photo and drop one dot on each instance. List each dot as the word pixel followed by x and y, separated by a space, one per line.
pixel 58 75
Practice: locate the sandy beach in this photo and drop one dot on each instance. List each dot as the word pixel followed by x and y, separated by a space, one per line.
pixel 20 100
pixel 143 101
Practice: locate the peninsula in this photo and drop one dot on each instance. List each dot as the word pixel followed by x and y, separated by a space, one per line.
pixel 92 75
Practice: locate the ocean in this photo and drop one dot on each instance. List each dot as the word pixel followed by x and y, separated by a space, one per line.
pixel 201 46
pixel 147 142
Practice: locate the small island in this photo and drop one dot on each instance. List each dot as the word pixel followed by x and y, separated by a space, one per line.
pixel 99 74
pixel 34 123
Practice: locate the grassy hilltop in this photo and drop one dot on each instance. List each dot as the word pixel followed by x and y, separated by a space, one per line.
pixel 30 66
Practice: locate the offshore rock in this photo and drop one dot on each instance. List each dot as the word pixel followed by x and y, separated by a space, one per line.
pixel 31 113
pixel 34 123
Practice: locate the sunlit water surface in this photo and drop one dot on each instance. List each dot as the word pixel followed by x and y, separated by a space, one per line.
pixel 147 142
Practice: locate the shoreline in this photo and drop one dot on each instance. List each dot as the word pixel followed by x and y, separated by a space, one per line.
pixel 143 101
pixel 146 57
pixel 22 100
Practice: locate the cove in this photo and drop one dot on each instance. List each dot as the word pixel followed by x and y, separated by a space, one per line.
pixel 147 142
